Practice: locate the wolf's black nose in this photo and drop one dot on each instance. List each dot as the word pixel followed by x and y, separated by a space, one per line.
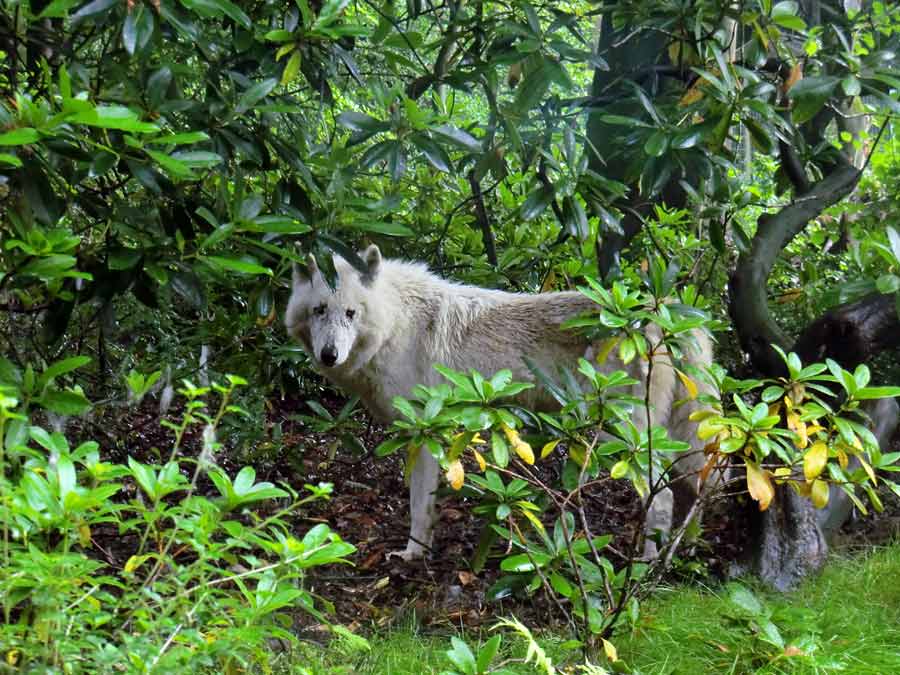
pixel 329 355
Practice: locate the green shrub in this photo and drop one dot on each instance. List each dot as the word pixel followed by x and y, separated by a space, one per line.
pixel 207 583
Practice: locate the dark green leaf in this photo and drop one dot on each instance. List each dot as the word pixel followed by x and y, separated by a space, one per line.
pixel 533 87
pixel 61 368
pixel 329 12
pixel 65 402
pixel 137 28
pixel 58 9
pixel 255 94
pixel 381 227
pixel 377 153
pixel 95 7
pixel 357 121
pixel 535 204
pixel 810 94
pixel 575 218
pixel 894 241
pixel 656 144
pixel 189 287
pixel 396 162
pixel 458 137
pixel 434 153
pixel 237 265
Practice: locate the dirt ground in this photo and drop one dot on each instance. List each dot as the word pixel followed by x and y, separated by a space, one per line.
pixel 369 508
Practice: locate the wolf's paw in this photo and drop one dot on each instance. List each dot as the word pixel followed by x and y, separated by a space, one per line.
pixel 411 552
pixel 651 552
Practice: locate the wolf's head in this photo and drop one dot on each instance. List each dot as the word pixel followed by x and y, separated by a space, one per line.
pixel 333 325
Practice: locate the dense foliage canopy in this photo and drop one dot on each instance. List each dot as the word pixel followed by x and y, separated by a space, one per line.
pixel 163 163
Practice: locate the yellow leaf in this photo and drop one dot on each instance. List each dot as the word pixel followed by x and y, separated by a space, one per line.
pixel 458 444
pixel 759 485
pixel 708 428
pixel 814 429
pixel 692 95
pixel 790 295
pixel 478 458
pixel 521 448
pixel 802 435
pixel 548 448
pixel 134 562
pixel 869 471
pixel 606 346
pixel 549 282
pixel 783 472
pixel 533 519
pixel 627 350
pixel 291 69
pixel 610 650
pixel 412 456
pixel 12 656
pixel 819 493
pixel 688 383
pixel 578 455
pixel 477 439
pixel 284 49
pixel 84 534
pixel 456 474
pixel 814 460
pixel 843 460
pixel 524 451
pixel 700 415
pixel 619 469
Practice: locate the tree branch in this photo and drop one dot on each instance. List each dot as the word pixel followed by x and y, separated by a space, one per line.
pixel 490 246
pixel 749 308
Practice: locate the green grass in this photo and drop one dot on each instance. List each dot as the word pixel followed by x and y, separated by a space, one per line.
pixel 845 620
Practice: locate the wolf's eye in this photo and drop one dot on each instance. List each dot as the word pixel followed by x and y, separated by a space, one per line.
pixel 320 310
pixel 351 313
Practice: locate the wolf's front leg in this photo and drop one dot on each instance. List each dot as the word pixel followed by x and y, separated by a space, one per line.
pixel 422 488
pixel 659 521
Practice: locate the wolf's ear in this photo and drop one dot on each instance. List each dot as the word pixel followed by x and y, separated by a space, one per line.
pixel 372 257
pixel 299 276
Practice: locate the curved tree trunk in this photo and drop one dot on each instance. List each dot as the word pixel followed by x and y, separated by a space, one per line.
pixel 791 540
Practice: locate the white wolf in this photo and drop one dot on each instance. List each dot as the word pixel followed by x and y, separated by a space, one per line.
pixel 379 333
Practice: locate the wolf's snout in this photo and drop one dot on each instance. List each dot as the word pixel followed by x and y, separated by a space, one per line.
pixel 329 355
